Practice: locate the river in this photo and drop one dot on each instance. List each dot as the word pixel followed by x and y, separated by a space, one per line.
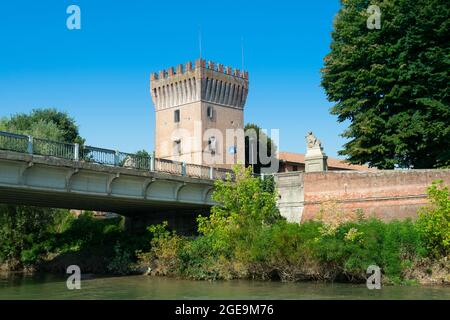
pixel 46 286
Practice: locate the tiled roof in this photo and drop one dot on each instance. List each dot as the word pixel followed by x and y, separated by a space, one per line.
pixel 332 162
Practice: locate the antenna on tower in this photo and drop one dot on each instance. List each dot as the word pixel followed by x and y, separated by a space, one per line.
pixel 242 52
pixel 200 40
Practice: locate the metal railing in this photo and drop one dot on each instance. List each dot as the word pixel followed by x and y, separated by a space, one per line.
pixel 14 142
pixel 74 151
pixel 56 149
pixel 99 155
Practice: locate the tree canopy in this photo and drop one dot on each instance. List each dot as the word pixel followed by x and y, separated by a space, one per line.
pixel 43 123
pixel 392 83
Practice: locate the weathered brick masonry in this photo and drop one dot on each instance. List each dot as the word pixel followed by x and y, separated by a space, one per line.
pixel 389 194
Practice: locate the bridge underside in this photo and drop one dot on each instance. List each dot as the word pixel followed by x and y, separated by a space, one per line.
pixel 123 206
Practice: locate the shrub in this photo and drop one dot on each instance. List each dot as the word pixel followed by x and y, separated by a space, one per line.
pixel 283 250
pixel 165 250
pixel 401 246
pixel 433 223
pixel 23 229
pixel 121 261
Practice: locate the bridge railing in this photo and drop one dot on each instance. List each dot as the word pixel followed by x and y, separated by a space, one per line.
pixel 73 151
pixel 98 155
pixel 45 147
pixel 14 142
pixel 199 171
pixel 134 161
pixel 169 166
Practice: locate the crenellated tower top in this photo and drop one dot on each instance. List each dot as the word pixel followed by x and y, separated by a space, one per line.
pixel 204 81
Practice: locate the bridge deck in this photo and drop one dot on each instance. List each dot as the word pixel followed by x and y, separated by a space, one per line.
pixel 54 182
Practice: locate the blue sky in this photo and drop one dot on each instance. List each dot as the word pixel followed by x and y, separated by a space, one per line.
pixel 100 74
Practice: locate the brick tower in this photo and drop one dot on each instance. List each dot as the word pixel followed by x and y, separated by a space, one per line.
pixel 200 113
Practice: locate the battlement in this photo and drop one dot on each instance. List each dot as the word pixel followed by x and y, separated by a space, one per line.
pixel 199 64
pixel 201 81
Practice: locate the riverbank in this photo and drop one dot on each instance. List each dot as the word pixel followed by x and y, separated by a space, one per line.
pixel 424 272
pixel 298 253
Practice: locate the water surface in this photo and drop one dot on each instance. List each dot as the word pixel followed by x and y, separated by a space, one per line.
pixel 46 286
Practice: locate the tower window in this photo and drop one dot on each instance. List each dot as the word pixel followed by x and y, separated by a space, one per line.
pixel 176 116
pixel 210 112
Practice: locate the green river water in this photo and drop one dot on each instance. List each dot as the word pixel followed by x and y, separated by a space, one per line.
pixel 16 286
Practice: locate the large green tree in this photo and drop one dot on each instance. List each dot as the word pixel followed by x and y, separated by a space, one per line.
pixel 392 84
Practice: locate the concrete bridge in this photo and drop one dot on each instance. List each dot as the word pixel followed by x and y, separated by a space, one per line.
pixel 62 175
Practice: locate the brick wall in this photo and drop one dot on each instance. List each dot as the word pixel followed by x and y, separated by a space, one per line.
pixel 389 194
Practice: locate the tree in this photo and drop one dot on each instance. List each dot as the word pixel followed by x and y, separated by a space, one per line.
pixel 44 123
pixel 243 207
pixel 260 138
pixel 24 228
pixel 392 83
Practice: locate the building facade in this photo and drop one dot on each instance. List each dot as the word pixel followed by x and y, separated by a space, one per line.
pixel 200 113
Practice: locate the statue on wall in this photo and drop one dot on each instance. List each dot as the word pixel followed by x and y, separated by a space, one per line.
pixel 315 158
pixel 312 141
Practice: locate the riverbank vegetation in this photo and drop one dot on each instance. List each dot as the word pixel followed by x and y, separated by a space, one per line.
pixel 245 237
pixel 49 240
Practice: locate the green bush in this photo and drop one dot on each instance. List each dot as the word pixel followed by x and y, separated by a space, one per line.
pixel 165 248
pixel 244 207
pixel 88 231
pixel 433 223
pixel 24 232
pixel 121 261
pixel 357 245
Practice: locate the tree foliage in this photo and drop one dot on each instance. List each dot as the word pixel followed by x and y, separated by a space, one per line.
pixel 22 228
pixel 434 220
pixel 43 123
pixel 243 202
pixel 392 83
pixel 243 206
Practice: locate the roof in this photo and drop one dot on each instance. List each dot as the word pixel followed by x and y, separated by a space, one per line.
pixel 332 162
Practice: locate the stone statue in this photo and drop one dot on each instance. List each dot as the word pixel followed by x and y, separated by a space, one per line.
pixel 312 141
pixel 129 162
pixel 315 158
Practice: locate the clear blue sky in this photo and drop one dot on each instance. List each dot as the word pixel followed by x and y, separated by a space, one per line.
pixel 100 74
